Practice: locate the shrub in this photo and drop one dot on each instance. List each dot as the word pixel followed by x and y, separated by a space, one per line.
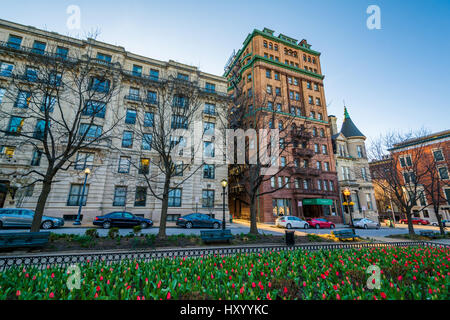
pixel 93 233
pixel 113 233
pixel 137 230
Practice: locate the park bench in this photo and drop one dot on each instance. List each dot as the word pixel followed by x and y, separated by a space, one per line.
pixel 23 239
pixel 428 233
pixel 216 235
pixel 345 234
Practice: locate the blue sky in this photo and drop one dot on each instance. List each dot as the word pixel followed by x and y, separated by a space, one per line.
pixel 394 78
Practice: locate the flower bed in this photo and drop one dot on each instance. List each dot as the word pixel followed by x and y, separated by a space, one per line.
pixel 406 273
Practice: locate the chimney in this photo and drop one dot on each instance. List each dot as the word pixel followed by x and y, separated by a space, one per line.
pixel 333 123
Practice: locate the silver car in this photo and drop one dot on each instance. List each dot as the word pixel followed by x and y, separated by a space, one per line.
pixel 12 217
pixel 366 223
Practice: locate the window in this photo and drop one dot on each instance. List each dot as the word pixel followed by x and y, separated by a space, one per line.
pixel 179 122
pixel 291 95
pixel 409 177
pixel 317 101
pixel 84 160
pixel 15 125
pixel 130 117
pixel 278 92
pixel 39 47
pixel 147 141
pixel 23 99
pixel 210 87
pixel 369 201
pixel 6 69
pixel 318 165
pixel 127 139
pixel 62 52
pixel 305 184
pixel 124 164
pixel 287 182
pixel 179 168
pixel 324 149
pixel 443 173
pixel 364 174
pixel 149 119
pixel 359 150
pixel 308 84
pixel 314 132
pixel 405 161
pixel 310 100
pixel 14 42
pixel 316 148
pixel 327 166
pixel 75 195
pixel 331 186
pixel 319 184
pixel 134 94
pixel 210 109
pixel 283 161
pixel 437 154
pixel 322 133
pixel 180 101
pixel 269 89
pixel 209 171
pixel 140 199
pixel 120 196
pixel 297 96
pixel 279 107
pixel 154 74
pixel 104 57
pixel 208 149
pixel 316 87
pixel 95 109
pixel 268 74
pixel 93 131
pixel 296 81
pixel 31 74
pixel 299 112
pixel 276 76
pixel 175 197
pixel 209 128
pixel 137 70
pixel 182 76
pixel 272 182
pixel 99 85
pixel 36 160
pixel 208 199
pixel 144 166
pixel 48 104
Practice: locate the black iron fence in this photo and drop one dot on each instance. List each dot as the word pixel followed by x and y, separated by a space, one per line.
pixel 42 261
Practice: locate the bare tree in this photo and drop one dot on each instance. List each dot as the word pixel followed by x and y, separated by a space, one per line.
pixel 433 184
pixel 399 173
pixel 57 105
pixel 168 124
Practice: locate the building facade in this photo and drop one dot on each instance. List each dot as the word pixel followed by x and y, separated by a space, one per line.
pixel 353 170
pixel 109 188
pixel 427 160
pixel 282 79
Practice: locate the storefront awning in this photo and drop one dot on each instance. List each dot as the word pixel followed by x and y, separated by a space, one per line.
pixel 317 202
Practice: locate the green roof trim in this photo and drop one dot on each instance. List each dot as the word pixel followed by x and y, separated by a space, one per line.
pixel 273 38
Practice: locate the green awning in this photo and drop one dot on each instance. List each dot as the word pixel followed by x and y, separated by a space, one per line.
pixel 317 202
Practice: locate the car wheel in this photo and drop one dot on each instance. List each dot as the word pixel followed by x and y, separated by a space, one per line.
pixel 332 226
pixel 144 225
pixel 216 225
pixel 365 226
pixel 106 225
pixel 47 225
pixel 189 225
pixel 317 226
pixel 306 226
pixel 378 227
pixel 288 226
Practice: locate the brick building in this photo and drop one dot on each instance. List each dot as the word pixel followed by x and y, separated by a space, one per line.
pixel 282 78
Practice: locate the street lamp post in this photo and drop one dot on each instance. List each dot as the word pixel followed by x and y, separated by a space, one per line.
pixel 224 184
pixel 347 193
pixel 87 172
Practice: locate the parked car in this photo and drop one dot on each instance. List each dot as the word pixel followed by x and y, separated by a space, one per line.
pixel 12 217
pixel 415 221
pixel 366 223
pixel 198 220
pixel 320 223
pixel 122 219
pixel 290 222
pixel 445 223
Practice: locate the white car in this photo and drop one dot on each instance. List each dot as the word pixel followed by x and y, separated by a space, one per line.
pixel 290 222
pixel 366 223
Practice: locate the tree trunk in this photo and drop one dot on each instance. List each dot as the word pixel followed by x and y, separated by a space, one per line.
pixel 164 208
pixel 438 217
pixel 410 224
pixel 253 225
pixel 39 210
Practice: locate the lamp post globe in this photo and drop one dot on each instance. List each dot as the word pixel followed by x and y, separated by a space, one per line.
pixel 77 222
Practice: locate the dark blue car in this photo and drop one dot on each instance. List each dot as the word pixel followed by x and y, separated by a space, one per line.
pixel 198 220
pixel 122 219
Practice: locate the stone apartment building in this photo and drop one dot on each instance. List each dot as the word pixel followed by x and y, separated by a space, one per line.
pixel 353 169
pixel 108 189
pixel 282 79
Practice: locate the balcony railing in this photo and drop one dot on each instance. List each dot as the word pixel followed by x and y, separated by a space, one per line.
pixel 300 152
pixel 35 52
pixel 300 134
pixel 305 171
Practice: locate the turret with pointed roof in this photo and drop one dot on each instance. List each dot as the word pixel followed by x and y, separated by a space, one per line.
pixel 349 129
